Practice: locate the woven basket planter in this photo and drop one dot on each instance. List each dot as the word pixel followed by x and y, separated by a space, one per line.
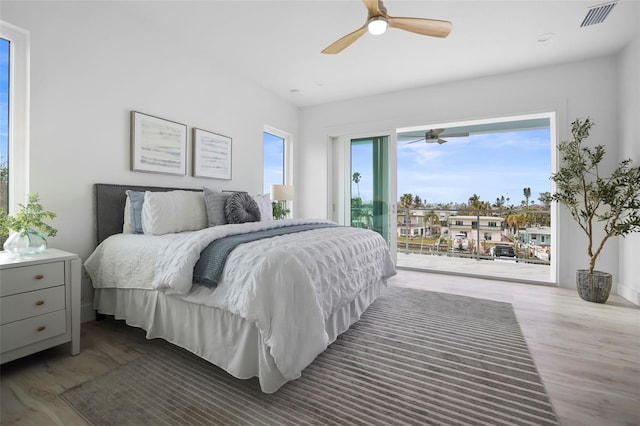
pixel 594 287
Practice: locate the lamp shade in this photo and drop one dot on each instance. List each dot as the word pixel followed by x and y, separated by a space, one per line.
pixel 282 192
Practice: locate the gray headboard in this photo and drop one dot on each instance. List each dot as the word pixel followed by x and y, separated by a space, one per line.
pixel 110 201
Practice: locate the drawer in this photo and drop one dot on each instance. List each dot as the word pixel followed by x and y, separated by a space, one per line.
pixel 31 304
pixel 31 330
pixel 28 278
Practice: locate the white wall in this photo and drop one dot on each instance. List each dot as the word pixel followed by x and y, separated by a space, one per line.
pixel 571 90
pixel 91 64
pixel 629 122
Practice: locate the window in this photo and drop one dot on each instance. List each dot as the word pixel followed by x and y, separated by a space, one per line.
pixel 14 136
pixel 277 160
pixel 4 124
pixel 471 171
pixel 273 161
pixel 487 236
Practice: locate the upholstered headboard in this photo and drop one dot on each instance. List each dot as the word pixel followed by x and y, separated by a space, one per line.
pixel 110 201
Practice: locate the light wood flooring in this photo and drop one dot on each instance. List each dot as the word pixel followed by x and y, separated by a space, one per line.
pixel 587 354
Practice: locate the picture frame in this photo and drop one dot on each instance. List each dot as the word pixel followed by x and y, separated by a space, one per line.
pixel 158 145
pixel 212 155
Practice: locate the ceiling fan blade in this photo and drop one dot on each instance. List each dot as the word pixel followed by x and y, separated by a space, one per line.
pixel 375 8
pixel 415 140
pixel 441 141
pixel 424 26
pixel 346 41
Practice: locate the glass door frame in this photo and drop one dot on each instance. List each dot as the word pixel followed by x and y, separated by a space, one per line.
pixel 341 197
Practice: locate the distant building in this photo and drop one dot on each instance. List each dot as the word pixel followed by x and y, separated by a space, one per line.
pixel 536 236
pixel 490 227
pixel 411 224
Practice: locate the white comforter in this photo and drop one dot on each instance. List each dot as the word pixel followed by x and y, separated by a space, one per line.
pixel 288 285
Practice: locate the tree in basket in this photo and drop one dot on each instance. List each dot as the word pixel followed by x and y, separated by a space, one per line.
pixel 602 206
pixel 28 227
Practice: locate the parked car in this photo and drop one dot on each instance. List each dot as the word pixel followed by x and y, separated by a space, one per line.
pixel 503 252
pixel 460 242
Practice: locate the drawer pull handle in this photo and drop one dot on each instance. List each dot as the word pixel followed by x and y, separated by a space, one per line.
pixel 41 328
pixel 40 303
pixel 39 277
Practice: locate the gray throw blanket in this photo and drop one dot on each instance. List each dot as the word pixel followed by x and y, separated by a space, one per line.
pixel 209 268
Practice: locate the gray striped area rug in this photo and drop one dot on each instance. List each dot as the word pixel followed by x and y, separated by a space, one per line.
pixel 415 357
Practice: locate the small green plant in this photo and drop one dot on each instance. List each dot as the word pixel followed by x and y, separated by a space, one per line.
pixel 279 210
pixel 610 203
pixel 30 216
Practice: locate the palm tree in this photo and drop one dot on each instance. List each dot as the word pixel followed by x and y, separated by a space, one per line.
pixel 356 179
pixel 476 204
pixel 527 193
pixel 499 204
pixel 406 202
pixel 516 221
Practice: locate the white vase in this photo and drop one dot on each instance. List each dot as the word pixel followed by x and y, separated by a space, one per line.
pixel 25 242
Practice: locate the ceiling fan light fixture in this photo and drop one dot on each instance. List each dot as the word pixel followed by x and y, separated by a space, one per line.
pixel 377 25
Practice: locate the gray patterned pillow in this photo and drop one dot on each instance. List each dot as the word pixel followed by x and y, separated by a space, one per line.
pixel 215 202
pixel 240 208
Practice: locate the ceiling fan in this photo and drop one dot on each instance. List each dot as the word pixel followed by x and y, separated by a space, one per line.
pixel 433 136
pixel 378 20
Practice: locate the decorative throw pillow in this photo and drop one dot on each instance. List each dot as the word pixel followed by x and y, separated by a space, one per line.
pixel 264 204
pixel 135 199
pixel 241 208
pixel 127 228
pixel 173 211
pixel 214 202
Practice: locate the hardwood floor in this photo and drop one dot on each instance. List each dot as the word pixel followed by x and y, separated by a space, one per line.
pixel 587 354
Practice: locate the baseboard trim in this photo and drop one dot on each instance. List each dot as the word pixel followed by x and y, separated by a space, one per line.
pixel 630 293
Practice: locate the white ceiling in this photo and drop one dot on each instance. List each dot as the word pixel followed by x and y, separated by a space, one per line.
pixel 277 43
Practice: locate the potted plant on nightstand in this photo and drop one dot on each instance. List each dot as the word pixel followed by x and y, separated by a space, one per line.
pixel 279 210
pixel 602 206
pixel 25 229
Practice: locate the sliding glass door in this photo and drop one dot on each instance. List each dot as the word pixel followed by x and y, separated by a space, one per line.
pixel 366 191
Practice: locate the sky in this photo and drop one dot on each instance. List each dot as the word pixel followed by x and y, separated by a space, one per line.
pixel 273 161
pixel 4 99
pixel 490 165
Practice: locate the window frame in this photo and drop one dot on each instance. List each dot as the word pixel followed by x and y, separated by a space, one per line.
pixel 18 124
pixel 288 159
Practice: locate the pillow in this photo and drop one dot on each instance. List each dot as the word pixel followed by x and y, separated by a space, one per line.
pixel 127 228
pixel 173 211
pixel 214 203
pixel 135 199
pixel 264 204
pixel 241 208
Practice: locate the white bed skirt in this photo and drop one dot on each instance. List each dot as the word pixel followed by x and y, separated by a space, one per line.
pixel 221 337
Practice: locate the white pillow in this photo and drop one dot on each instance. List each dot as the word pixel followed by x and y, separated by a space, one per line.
pixel 264 204
pixel 173 211
pixel 127 228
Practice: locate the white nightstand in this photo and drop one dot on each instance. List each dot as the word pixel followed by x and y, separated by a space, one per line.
pixel 39 303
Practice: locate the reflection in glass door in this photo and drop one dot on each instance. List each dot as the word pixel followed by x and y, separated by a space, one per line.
pixel 369 195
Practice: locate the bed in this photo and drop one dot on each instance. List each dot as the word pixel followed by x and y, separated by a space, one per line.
pixel 276 304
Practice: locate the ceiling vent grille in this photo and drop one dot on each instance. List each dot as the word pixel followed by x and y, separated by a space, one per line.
pixel 597 14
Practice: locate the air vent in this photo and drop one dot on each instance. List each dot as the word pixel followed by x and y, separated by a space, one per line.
pixel 597 14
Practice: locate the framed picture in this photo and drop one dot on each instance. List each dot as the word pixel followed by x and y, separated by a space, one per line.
pixel 211 155
pixel 158 145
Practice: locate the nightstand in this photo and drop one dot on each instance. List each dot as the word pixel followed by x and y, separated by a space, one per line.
pixel 39 303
